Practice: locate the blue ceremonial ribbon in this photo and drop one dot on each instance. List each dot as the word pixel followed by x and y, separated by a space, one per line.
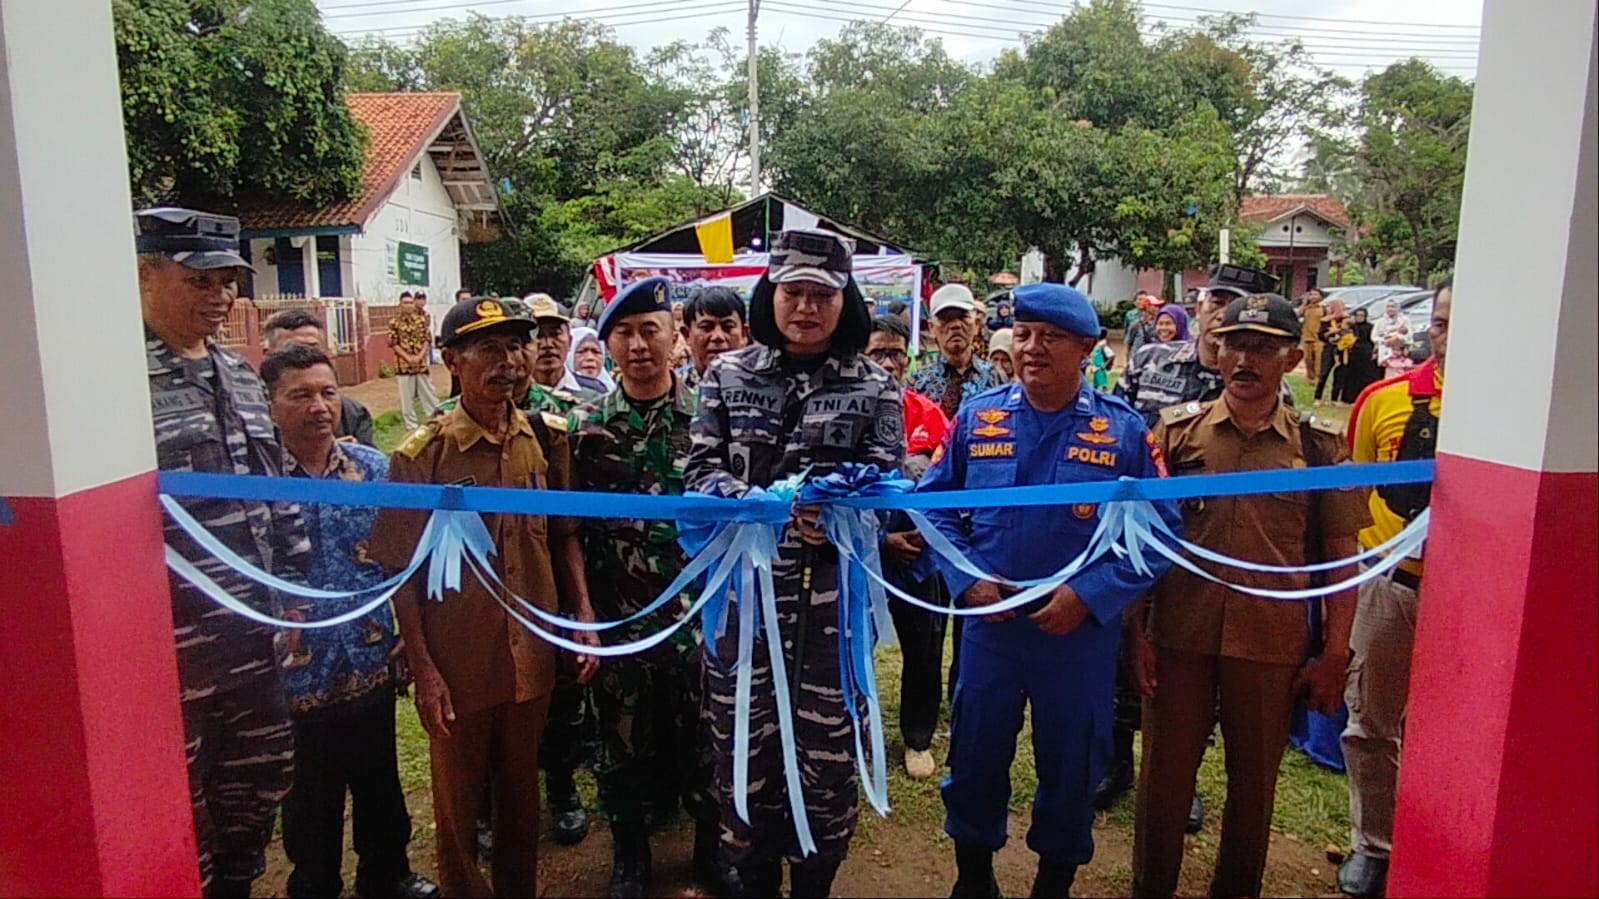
pixel 769 507
pixel 1142 530
pixel 6 519
pixel 426 550
pixel 863 614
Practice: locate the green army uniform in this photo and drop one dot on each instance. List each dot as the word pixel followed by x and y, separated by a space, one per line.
pixel 648 705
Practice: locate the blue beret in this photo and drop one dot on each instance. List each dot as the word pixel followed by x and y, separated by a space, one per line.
pixel 648 295
pixel 1064 307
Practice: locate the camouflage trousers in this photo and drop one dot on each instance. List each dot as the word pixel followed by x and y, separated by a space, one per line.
pixel 650 734
pixel 823 732
pixel 239 745
pixel 569 732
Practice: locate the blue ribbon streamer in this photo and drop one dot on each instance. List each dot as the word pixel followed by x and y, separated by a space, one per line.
pixel 743 534
pixel 769 507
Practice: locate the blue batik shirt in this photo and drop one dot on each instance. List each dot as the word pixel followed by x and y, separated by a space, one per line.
pixel 326 667
pixel 933 381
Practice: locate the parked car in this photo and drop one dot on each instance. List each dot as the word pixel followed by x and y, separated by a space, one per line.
pixel 1365 296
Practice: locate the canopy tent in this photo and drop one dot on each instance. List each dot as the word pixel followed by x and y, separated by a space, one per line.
pixel 753 224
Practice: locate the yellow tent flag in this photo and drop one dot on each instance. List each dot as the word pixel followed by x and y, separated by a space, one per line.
pixel 716 239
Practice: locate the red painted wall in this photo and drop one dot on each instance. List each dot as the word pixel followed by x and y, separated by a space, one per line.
pixel 1498 793
pixel 92 777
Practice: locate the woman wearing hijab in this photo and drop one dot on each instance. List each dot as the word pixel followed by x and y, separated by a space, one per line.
pixel 999 353
pixel 802 398
pixel 586 361
pixel 1360 370
pixel 1171 323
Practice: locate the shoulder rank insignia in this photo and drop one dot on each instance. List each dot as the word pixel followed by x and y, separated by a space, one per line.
pixel 415 441
pixel 1181 412
pixel 1326 426
pixel 554 422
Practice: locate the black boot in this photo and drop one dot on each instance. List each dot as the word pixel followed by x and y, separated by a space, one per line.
pixel 1053 881
pixel 974 874
pixel 1118 780
pixel 630 860
pixel 570 819
pixel 710 867
pixel 761 880
pixel 812 878
pixel 1363 876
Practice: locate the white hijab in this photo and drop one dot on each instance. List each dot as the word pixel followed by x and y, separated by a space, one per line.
pixel 579 335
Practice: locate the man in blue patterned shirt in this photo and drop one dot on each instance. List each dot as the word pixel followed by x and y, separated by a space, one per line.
pixel 956 374
pixel 338 680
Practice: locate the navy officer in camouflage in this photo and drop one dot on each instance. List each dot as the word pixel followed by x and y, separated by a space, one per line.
pixel 635 439
pixel 211 414
pixel 803 397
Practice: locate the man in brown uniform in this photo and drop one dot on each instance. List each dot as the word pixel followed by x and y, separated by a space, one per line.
pixel 1203 640
pixel 482 681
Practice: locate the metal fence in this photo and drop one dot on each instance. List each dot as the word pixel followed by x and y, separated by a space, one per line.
pixel 356 332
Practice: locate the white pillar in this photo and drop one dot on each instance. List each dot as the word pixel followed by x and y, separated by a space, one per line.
pixel 92 777
pixel 1498 790
pixel 313 273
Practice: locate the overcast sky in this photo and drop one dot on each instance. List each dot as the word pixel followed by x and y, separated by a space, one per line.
pixel 1348 36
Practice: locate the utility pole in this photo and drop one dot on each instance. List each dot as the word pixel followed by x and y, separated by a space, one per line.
pixel 755 104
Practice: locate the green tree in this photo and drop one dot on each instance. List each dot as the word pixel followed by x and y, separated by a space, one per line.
pixel 219 96
pixel 1398 162
pixel 592 141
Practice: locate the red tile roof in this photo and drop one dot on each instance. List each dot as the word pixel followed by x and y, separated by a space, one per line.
pixel 1271 208
pixel 401 126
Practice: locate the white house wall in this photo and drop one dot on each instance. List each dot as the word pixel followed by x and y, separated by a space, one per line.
pixel 418 212
pixel 1307 231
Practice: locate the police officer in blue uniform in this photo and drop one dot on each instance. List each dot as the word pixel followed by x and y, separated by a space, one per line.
pixel 1059 654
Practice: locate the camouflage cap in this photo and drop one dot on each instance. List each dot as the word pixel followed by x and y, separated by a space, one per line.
pixel 811 254
pixel 198 240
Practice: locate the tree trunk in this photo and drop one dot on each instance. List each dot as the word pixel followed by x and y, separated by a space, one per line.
pixel 1055 268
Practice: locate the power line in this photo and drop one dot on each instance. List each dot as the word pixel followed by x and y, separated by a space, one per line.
pixel 392 4
pixel 1229 12
pixel 896 11
pixel 986 23
pixel 466 6
pixel 1376 42
pixel 402 32
pixel 1338 59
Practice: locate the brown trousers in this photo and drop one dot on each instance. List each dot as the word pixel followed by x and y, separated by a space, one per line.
pixel 1313 349
pixel 1257 703
pixel 499 746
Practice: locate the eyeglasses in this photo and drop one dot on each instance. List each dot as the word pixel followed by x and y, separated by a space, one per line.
pixel 881 355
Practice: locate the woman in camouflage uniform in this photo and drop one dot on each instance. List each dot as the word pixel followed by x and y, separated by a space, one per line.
pixel 803 396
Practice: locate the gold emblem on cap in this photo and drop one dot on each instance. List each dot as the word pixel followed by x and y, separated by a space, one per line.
pixel 1258 302
pixel 660 294
pixel 490 309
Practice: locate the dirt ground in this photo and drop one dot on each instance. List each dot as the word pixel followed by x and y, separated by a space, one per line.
pixel 381 395
pixel 887 858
